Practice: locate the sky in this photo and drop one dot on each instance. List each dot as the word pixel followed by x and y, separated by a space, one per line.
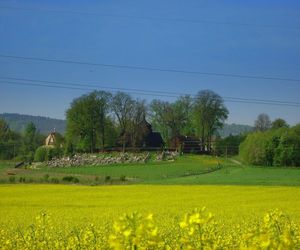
pixel 253 38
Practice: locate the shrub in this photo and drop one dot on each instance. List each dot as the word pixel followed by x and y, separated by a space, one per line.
pixel 47 153
pixel 22 179
pixel 71 179
pixel 54 180
pixel 40 154
pixel 122 178
pixel 12 179
pixel 46 177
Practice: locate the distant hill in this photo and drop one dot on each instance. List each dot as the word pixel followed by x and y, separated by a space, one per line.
pixel 45 125
pixel 234 129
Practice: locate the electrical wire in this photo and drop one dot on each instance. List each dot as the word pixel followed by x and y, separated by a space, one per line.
pixel 144 68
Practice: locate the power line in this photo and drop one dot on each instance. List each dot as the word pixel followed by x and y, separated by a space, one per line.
pixel 120 66
pixel 132 90
pixel 148 18
pixel 145 93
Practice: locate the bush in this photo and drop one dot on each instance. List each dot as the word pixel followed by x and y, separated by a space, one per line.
pixel 22 179
pixel 12 179
pixel 40 154
pixel 54 180
pixel 46 177
pixel 47 153
pixel 71 179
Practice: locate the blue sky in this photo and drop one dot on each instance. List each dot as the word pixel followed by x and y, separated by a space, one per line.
pixel 236 37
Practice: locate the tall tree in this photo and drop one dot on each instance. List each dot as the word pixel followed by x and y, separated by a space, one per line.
pixel 183 115
pixel 262 122
pixel 122 105
pixel 30 141
pixel 4 131
pixel 170 118
pixel 209 115
pixel 87 120
pixel 279 123
pixel 158 111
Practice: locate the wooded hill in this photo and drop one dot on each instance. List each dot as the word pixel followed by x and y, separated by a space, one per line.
pixel 45 125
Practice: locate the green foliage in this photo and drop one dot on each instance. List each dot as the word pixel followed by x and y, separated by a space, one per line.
pixel 12 179
pixel 209 114
pixel 87 120
pixel 279 123
pixel 41 154
pixel 9 142
pixel 276 147
pixel 71 179
pixel 46 153
pixel 172 119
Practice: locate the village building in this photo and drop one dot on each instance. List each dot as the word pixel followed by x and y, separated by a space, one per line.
pixel 53 139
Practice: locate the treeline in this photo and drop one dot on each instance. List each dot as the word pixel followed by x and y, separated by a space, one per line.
pixel 20 146
pixel 274 147
pixel 272 143
pixel 101 119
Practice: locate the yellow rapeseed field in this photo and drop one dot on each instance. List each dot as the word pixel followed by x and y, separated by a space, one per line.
pixel 149 217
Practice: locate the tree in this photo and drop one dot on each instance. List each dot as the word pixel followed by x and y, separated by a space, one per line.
pixel 172 119
pixel 183 115
pixel 4 131
pixel 122 105
pixel 158 111
pixel 30 141
pixel 209 115
pixel 279 123
pixel 7 145
pixel 262 122
pixel 87 120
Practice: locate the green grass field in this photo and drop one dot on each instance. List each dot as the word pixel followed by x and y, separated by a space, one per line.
pixel 189 169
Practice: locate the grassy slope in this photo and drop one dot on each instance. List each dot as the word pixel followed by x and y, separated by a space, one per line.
pixel 186 165
pixel 186 170
pixel 243 175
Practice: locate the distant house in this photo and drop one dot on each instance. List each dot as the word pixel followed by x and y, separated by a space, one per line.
pixel 53 139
